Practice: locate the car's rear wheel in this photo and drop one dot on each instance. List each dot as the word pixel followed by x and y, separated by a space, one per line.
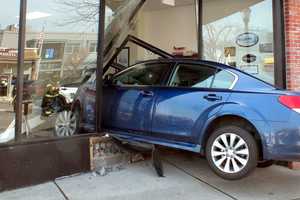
pixel 67 123
pixel 232 152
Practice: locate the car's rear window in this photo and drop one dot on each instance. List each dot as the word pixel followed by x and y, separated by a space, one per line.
pixel 223 80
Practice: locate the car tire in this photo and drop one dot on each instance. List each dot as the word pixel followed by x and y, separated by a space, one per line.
pixel 232 152
pixel 265 163
pixel 67 123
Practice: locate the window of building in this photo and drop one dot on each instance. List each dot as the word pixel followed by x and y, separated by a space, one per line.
pixel 8 67
pixel 93 47
pixel 240 34
pixel 72 47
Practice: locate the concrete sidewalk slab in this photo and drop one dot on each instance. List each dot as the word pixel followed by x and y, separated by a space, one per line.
pixel 47 191
pixel 136 182
pixel 272 183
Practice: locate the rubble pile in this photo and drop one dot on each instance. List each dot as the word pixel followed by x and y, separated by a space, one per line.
pixel 107 155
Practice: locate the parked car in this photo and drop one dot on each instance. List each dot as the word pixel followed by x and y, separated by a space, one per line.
pixel 234 118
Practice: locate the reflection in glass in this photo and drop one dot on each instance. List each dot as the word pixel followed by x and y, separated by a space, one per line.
pixel 240 33
pixel 8 67
pixel 62 37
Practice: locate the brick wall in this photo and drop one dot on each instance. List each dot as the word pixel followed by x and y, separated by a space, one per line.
pixel 292 29
pixel 292 34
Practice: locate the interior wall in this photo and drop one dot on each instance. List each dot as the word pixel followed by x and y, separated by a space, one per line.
pixel 166 28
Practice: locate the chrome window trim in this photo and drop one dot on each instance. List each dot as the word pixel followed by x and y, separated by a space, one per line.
pixel 236 78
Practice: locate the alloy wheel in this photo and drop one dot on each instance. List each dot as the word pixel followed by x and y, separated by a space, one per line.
pixel 65 124
pixel 230 153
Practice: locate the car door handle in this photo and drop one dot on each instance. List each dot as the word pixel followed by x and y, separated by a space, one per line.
pixel 146 93
pixel 213 97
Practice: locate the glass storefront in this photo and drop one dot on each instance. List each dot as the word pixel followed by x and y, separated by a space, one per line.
pixel 240 33
pixel 60 55
pixel 61 48
pixel 8 67
pixel 62 41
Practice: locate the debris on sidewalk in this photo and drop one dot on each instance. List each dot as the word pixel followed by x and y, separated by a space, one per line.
pixel 108 155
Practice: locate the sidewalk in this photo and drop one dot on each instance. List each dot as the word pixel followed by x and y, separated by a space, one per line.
pixel 188 177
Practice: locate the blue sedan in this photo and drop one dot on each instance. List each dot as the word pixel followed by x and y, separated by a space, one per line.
pixel 233 118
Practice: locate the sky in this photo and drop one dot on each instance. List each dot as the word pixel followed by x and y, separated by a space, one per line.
pixel 9 15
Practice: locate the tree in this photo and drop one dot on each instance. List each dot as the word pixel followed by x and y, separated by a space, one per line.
pixel 215 39
pixel 79 11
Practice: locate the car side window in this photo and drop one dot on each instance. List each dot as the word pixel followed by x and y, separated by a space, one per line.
pixel 143 74
pixel 191 75
pixel 223 80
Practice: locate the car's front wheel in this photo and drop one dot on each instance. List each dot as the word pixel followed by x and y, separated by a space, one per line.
pixel 232 152
pixel 67 123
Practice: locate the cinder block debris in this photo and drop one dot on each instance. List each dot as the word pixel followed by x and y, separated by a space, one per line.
pixel 107 155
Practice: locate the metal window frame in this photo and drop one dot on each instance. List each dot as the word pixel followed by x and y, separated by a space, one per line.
pixel 100 66
pixel 20 70
pixel 279 44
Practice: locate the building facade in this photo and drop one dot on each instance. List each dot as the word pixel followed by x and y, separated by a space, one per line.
pixel 292 43
pixel 260 37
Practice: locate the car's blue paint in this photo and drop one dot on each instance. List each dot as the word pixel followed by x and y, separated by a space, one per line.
pixel 132 109
pixel 179 117
pixel 179 113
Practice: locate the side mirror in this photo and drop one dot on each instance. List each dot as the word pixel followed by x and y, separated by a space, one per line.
pixel 108 79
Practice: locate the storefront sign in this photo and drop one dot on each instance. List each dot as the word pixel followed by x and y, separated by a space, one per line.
pixel 249 58
pixel 266 48
pixel 247 39
pixel 8 53
pixel 30 54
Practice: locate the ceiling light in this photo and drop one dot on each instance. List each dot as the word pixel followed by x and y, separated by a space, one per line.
pixel 169 2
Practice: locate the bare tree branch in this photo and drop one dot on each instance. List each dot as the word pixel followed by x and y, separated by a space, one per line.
pixel 78 12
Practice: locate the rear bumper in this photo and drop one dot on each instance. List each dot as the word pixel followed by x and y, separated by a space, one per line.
pixel 283 143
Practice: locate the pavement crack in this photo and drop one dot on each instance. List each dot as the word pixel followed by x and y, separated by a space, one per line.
pixel 200 180
pixel 61 191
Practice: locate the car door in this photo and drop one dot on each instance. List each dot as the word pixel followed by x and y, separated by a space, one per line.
pixel 195 92
pixel 134 93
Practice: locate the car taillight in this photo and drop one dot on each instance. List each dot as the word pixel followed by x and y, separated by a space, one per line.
pixel 292 102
